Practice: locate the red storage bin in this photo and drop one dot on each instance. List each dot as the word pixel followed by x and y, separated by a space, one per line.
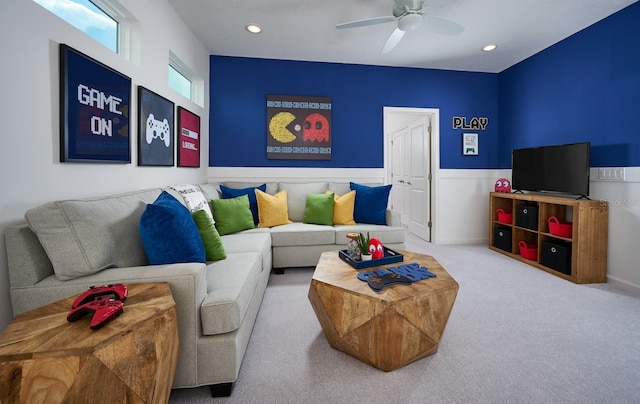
pixel 558 228
pixel 504 217
pixel 528 251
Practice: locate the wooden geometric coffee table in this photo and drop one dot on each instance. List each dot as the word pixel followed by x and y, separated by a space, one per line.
pixel 46 359
pixel 387 329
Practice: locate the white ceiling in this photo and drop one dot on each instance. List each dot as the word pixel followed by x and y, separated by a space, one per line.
pixel 305 30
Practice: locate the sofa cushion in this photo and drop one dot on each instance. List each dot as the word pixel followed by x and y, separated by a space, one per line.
pixel 231 284
pixel 84 236
pixel 228 192
pixel 386 234
pixel 211 239
pixel 232 215
pixel 319 209
pixel 343 208
pixel 302 234
pixel 371 203
pixel 272 209
pixel 169 234
pixel 297 196
pixel 248 241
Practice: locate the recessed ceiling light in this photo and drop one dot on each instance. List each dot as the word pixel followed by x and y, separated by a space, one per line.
pixel 254 28
pixel 489 48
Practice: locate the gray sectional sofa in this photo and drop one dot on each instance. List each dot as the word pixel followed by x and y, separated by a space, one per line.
pixel 67 246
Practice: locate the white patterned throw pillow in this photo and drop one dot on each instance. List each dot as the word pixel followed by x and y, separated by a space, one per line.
pixel 193 198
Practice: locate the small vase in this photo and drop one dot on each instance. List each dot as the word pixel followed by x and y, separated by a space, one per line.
pixel 366 257
pixel 352 247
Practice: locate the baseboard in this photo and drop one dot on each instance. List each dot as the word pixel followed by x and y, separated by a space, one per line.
pixel 628 286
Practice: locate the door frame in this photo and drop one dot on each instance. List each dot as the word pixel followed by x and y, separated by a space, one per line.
pixel 434 114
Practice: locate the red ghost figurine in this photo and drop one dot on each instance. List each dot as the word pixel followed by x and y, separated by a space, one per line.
pixel 375 248
pixel 503 185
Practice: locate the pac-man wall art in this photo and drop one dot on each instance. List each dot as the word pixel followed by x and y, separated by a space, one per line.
pixel 298 127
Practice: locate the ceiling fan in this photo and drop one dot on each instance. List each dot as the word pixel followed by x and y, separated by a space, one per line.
pixel 410 15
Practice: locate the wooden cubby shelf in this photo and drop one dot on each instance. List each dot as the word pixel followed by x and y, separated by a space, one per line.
pixel 585 249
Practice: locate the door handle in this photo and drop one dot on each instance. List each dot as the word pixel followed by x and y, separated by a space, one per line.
pixel 401 181
pixel 408 182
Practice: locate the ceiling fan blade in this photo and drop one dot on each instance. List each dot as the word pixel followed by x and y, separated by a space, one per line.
pixel 367 22
pixel 393 40
pixel 442 25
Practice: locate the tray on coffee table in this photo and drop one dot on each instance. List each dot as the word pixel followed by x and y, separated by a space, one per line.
pixel 390 256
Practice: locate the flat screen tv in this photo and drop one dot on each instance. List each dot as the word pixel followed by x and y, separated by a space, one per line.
pixel 561 168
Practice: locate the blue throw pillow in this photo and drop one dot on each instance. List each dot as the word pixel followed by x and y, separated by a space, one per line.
pixel 169 234
pixel 228 193
pixel 371 203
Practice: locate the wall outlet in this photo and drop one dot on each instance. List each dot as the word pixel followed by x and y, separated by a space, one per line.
pixel 611 174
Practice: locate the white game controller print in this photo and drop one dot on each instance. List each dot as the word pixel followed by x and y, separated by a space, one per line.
pixel 157 129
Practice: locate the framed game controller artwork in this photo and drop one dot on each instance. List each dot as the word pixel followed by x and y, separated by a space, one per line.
pixel 188 138
pixel 94 110
pixel 155 129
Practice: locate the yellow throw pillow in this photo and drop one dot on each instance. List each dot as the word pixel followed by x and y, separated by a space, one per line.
pixel 272 209
pixel 343 208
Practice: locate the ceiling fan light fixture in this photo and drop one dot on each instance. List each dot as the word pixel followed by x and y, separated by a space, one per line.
pixel 410 22
pixel 254 28
pixel 489 48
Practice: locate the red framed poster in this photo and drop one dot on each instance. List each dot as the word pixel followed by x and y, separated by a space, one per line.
pixel 188 138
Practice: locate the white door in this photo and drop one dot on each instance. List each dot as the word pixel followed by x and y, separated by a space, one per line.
pixel 418 178
pixel 411 165
pixel 397 174
pixel 415 158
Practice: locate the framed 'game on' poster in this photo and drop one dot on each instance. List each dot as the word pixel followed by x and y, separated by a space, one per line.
pixel 94 110
pixel 188 138
pixel 298 127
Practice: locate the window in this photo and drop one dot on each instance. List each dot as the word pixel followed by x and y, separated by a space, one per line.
pixel 87 17
pixel 179 82
pixel 184 81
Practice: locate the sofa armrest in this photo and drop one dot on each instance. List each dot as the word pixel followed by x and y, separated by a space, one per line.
pixel 393 218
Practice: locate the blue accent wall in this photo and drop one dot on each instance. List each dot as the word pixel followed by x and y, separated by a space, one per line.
pixel 584 88
pixel 239 89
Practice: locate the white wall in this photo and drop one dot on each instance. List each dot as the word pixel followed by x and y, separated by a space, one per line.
pixel 623 199
pixel 29 150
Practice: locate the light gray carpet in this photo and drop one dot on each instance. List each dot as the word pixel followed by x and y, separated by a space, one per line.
pixel 515 335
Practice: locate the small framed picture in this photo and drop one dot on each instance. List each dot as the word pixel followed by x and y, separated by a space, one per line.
pixel 94 110
pixel 470 144
pixel 155 129
pixel 188 138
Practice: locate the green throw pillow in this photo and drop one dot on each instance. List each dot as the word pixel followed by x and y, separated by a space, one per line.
pixel 232 215
pixel 210 236
pixel 319 209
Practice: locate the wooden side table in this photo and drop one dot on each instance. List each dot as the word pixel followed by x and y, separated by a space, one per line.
pixel 46 359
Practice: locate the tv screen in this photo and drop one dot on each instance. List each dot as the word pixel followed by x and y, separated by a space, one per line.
pixel 560 168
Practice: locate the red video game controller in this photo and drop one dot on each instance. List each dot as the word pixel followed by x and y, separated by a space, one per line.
pixel 118 290
pixel 104 309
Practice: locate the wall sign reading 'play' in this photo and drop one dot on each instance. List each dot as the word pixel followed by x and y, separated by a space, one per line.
pixel 298 127
pixel 475 123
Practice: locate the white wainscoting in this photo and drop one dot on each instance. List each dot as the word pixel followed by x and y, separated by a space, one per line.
pixel 295 174
pixel 461 206
pixel 460 200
